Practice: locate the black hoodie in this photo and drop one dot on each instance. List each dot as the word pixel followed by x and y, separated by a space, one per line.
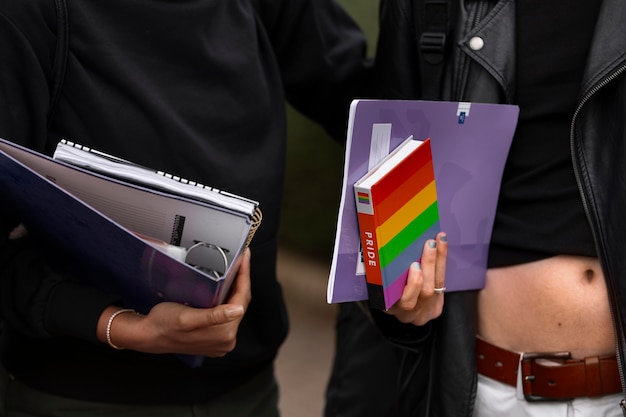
pixel 196 88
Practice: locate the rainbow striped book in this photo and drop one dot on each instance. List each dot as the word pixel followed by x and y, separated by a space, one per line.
pixel 397 212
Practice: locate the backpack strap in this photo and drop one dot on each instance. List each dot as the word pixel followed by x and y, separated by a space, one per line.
pixel 431 19
pixel 60 56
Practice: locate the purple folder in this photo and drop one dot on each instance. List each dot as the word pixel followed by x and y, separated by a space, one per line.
pixel 470 144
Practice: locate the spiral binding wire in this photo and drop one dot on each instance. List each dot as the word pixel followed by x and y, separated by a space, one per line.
pixel 256 222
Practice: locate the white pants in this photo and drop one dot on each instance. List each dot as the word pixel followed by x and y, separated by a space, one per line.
pixel 495 399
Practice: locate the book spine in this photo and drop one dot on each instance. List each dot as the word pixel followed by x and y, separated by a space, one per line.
pixel 370 248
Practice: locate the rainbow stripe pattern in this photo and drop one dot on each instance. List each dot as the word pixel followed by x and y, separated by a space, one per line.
pixel 405 215
pixel 363 198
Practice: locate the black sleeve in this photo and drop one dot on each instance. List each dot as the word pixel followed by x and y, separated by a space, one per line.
pixel 26 74
pixel 407 336
pixel 322 54
pixel 373 375
pixel 34 299
pixel 39 302
pixel 397 66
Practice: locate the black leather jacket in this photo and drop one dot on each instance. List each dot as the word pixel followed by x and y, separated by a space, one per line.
pixel 598 148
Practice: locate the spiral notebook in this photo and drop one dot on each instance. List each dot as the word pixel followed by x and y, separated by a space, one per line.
pixel 112 166
pixel 141 242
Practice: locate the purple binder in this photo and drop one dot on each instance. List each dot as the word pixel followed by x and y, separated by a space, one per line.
pixel 470 144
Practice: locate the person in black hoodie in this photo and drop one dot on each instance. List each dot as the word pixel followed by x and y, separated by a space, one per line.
pixel 196 88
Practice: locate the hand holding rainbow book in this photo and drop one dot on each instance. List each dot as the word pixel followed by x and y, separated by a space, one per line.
pixel 397 211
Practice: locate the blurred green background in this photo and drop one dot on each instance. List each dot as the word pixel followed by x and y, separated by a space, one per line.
pixel 315 167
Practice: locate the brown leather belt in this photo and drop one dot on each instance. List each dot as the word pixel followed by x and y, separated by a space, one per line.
pixel 550 376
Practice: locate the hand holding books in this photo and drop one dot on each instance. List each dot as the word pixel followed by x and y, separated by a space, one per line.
pixel 98 225
pixel 420 301
pixel 175 328
pixel 396 204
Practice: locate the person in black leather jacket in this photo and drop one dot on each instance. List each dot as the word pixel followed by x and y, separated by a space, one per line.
pixel 557 270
